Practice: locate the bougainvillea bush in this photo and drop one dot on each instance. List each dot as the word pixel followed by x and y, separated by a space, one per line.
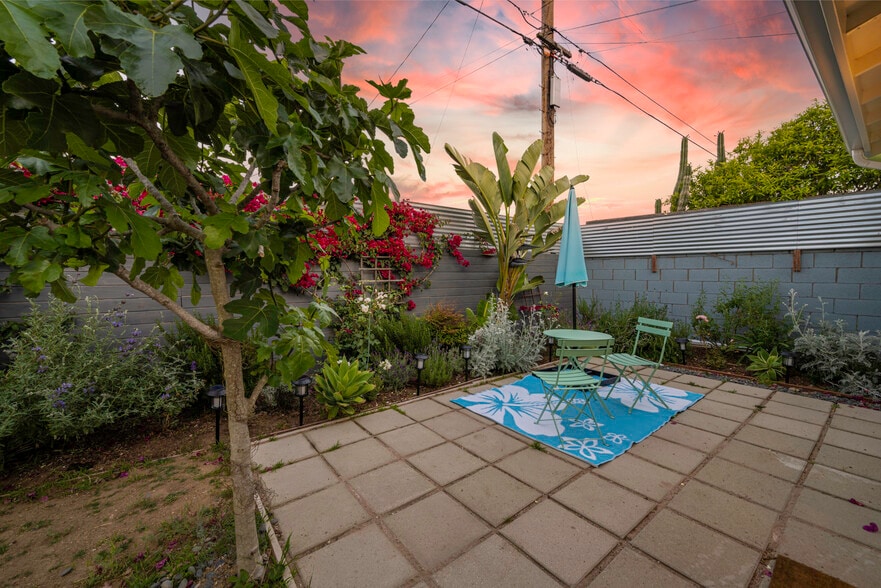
pixel 405 252
pixel 75 374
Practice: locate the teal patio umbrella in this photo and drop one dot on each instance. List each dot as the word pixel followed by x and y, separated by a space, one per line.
pixel 571 269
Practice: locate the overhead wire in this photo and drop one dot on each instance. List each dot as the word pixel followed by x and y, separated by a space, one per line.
pixel 583 75
pixel 624 16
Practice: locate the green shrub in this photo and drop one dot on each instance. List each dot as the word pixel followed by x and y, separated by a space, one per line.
pixel 848 361
pixel 448 326
pixel 394 370
pixel 72 375
pixel 407 333
pixel 341 385
pixel 361 314
pixel 620 322
pixel 743 319
pixel 440 366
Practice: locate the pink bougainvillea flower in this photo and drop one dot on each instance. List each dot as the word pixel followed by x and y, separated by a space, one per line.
pixel 161 563
pixel 871 528
pixel 411 305
pixel 855 501
pixel 226 180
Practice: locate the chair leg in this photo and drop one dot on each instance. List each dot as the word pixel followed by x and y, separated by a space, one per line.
pixel 645 386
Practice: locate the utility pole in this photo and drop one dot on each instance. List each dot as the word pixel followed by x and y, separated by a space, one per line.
pixel 548 109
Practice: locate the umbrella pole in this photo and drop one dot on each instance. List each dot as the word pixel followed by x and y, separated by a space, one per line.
pixel 574 314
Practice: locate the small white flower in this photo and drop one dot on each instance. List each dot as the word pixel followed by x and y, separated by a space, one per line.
pixel 365 308
pixel 385 365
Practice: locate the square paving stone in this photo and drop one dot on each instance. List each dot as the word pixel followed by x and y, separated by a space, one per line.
pixel 754 485
pixel 703 441
pixel 726 513
pixel 494 562
pixel 846 560
pixel 426 408
pixel 733 398
pixel 722 410
pixel 436 529
pixel 786 425
pixel 641 476
pixel 391 486
pixel 859 412
pixel 697 384
pixel 707 422
pixel 852 462
pixel 298 479
pixel 630 569
pixel 854 442
pixel 493 494
pixel 858 426
pixel 837 515
pixel 607 504
pixel 357 458
pixel 491 444
pixel 781 442
pixel 452 425
pixel 669 455
pixel 446 463
pixel 560 540
pixel 764 460
pixel 803 401
pixel 383 420
pixel 363 558
pixel 335 434
pixel 702 554
pixel 754 391
pixel 845 485
pixel 796 412
pixel 411 439
pixel 312 520
pixel 287 449
pixel 540 470
pixel 449 396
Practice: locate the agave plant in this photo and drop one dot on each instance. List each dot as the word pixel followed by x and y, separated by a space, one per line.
pixel 514 210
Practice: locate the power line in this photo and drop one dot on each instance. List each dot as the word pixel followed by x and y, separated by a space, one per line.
pixel 526 39
pixel 409 53
pixel 624 16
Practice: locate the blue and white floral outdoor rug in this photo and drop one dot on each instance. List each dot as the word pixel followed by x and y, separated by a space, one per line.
pixel 517 406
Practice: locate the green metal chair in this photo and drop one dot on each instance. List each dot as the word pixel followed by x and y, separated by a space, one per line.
pixel 571 380
pixel 632 368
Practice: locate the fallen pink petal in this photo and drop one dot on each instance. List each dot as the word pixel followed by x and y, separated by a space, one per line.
pixel 871 528
pixel 855 501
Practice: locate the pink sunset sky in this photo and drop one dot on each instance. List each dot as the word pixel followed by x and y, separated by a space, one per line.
pixel 731 66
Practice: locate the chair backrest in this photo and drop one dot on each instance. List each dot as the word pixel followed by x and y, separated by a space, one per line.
pixel 580 352
pixel 659 328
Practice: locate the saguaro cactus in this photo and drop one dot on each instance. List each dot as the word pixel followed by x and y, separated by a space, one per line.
pixel 679 200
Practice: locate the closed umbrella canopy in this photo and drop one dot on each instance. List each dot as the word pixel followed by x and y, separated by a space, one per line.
pixel 571 269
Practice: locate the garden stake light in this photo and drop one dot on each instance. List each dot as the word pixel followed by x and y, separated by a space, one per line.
pixel 420 365
pixel 466 353
pixel 217 393
pixel 788 358
pixel 683 344
pixel 550 348
pixel 301 390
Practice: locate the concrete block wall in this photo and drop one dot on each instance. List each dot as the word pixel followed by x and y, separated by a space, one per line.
pixel 848 281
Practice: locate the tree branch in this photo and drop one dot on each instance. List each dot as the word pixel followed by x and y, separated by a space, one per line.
pixel 174 221
pixel 209 333
pixel 255 393
pixel 244 183
pixel 269 207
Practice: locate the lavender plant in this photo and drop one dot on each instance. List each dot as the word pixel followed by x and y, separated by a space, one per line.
pixel 76 373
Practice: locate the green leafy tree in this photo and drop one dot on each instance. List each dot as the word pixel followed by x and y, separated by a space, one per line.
pixel 803 157
pixel 149 139
pixel 514 209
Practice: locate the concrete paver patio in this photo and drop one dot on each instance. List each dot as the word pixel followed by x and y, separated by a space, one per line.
pixel 430 494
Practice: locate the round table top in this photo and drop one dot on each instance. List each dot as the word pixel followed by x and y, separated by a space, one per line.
pixel 577 335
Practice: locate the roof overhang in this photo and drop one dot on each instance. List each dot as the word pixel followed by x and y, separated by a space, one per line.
pixel 842 39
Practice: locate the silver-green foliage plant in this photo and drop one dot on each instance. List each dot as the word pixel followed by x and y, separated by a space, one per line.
pixel 502 345
pixel 75 374
pixel 849 361
pixel 341 386
pixel 440 366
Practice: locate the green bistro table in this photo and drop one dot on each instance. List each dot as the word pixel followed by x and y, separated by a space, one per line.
pixel 579 335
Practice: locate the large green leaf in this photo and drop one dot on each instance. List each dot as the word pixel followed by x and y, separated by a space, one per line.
pixel 24 39
pixel 67 21
pixel 219 228
pixel 251 64
pixel 252 312
pixel 148 52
